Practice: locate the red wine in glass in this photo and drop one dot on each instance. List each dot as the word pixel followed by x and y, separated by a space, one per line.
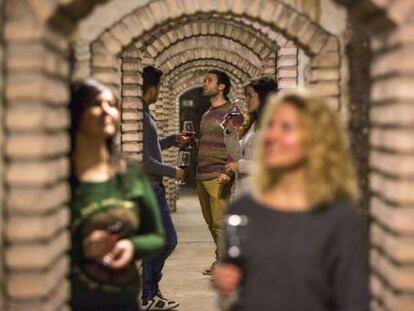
pixel 188 130
pixel 114 230
pixel 235 116
pixel 183 161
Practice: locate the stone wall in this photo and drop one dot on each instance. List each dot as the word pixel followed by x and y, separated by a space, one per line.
pixel 391 170
pixel 359 84
pixel 1 148
pixel 37 120
pixel 36 146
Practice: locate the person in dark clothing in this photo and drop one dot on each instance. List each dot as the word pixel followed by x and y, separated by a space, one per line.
pixel 115 219
pixel 304 246
pixel 152 299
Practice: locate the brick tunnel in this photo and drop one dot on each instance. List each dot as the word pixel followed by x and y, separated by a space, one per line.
pixel 355 53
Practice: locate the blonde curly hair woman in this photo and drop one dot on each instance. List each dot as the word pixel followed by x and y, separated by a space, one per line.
pixel 304 247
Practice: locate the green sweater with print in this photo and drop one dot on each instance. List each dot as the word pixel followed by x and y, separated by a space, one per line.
pixel 126 208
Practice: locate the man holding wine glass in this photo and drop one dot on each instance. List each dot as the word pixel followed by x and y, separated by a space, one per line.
pixel 152 299
pixel 213 181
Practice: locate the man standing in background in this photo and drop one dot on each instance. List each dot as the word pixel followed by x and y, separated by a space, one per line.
pixel 213 182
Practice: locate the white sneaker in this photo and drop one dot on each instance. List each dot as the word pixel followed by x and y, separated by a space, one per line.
pixel 159 303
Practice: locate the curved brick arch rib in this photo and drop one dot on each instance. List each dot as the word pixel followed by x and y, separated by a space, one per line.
pixel 223 26
pixel 211 42
pixel 155 14
pixel 104 64
pixel 391 13
pixel 153 43
pixel 207 53
pixel 323 47
pixel 62 17
pixel 72 11
pixel 296 26
pixel 261 40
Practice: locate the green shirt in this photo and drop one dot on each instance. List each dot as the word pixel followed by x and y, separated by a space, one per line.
pixel 126 207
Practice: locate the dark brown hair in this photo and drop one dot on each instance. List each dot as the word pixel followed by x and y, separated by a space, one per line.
pixel 263 87
pixel 83 95
pixel 222 78
pixel 151 77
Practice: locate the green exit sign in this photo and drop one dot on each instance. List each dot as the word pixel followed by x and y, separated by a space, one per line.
pixel 186 103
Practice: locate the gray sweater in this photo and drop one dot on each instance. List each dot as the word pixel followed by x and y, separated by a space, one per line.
pixel 152 157
pixel 314 260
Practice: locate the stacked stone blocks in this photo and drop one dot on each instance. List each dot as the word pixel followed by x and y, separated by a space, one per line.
pixel 35 116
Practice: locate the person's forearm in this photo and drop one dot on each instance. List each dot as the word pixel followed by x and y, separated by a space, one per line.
pixel 168 141
pixel 157 168
pixel 151 241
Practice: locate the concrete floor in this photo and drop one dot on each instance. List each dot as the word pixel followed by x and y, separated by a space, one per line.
pixel 182 279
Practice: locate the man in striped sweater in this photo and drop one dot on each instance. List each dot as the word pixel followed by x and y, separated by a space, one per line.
pixel 213 182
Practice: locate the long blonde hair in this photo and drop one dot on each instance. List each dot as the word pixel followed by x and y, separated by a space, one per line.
pixel 330 172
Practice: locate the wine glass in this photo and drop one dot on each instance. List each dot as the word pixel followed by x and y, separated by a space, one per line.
pixel 188 130
pixel 183 161
pixel 234 114
pixel 234 227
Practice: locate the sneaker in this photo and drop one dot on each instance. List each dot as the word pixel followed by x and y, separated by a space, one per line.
pixel 158 302
pixel 209 270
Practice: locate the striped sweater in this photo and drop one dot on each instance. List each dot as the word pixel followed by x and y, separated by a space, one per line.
pixel 212 153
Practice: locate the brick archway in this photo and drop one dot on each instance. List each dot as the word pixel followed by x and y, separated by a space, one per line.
pixel 307 34
pixel 36 116
pixel 304 32
pixel 205 42
pixel 36 146
pixel 258 41
pixel 397 12
pixel 210 53
pixel 267 44
pixel 322 46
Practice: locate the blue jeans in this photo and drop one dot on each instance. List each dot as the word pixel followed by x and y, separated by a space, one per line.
pixel 151 268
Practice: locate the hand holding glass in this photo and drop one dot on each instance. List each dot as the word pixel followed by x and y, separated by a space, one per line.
pixel 234 115
pixel 183 161
pixel 188 130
